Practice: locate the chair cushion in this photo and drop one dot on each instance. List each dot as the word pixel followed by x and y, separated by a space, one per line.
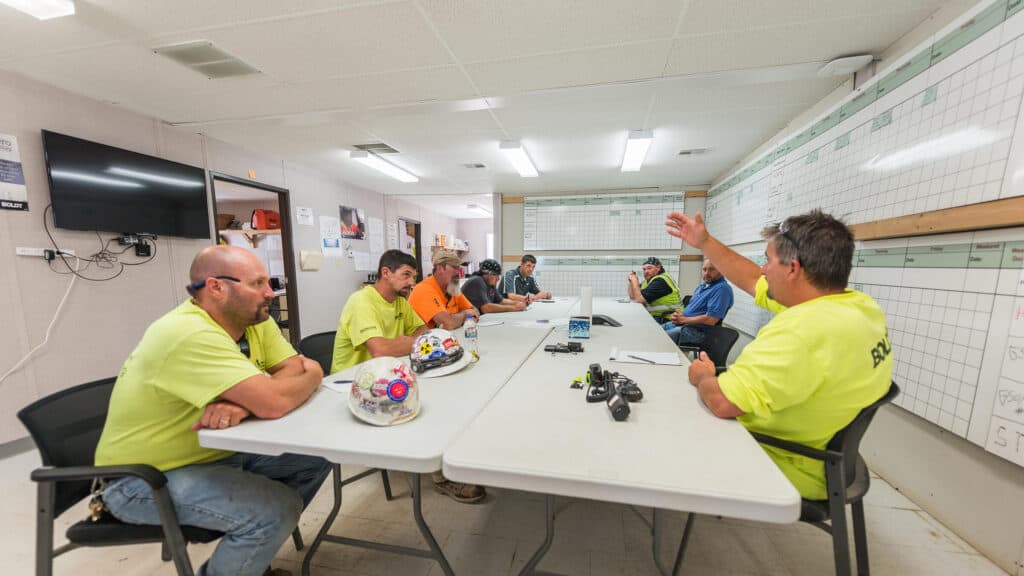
pixel 818 510
pixel 109 531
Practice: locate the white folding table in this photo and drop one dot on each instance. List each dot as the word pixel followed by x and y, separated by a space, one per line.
pixel 540 435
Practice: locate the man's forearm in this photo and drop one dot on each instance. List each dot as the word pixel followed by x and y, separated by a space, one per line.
pixel 737 269
pixel 398 346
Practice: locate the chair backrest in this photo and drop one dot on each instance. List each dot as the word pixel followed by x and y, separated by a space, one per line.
pixel 319 347
pixel 718 342
pixel 847 440
pixel 686 299
pixel 66 427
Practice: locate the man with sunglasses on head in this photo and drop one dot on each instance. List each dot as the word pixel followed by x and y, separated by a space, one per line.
pixel 213 361
pixel 823 357
pixel 437 299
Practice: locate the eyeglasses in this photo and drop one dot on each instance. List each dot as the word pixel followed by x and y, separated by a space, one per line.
pixel 197 286
pixel 243 345
pixel 785 234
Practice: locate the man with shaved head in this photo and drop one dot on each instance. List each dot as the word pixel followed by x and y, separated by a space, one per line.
pixel 211 362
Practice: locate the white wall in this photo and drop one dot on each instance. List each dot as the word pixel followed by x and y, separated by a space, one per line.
pixel 475 231
pixel 102 322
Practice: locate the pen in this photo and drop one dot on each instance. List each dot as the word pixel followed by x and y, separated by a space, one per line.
pixel 648 360
pixel 342 381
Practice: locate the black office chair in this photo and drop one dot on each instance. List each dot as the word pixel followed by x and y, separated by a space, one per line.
pixel 847 480
pixel 320 347
pixel 718 342
pixel 686 300
pixel 66 427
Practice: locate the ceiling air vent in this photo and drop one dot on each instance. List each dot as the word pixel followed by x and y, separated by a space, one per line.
pixel 693 151
pixel 207 59
pixel 376 148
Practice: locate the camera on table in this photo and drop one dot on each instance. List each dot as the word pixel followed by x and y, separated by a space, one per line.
pixel 614 389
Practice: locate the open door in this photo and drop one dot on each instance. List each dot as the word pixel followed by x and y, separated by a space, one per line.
pixel 234 201
pixel 409 242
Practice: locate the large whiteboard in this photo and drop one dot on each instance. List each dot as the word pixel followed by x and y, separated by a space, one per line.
pixel 942 130
pixel 599 222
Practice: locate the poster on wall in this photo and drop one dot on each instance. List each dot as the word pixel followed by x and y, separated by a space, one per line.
pixel 352 223
pixel 330 236
pixel 13 194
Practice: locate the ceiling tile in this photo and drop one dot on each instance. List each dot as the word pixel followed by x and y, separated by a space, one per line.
pixel 480 30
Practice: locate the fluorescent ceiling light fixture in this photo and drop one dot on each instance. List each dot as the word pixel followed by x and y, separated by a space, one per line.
pixel 83 177
pixel 474 207
pixel 182 182
pixel 935 149
pixel 43 9
pixel 636 149
pixel 380 165
pixel 845 65
pixel 516 154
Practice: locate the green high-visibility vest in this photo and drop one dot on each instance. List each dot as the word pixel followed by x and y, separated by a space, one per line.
pixel 668 303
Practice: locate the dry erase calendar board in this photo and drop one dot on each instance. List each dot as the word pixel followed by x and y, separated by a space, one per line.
pixel 599 222
pixel 565 275
pixel 942 129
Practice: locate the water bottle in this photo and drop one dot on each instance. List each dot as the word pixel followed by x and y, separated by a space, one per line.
pixel 470 335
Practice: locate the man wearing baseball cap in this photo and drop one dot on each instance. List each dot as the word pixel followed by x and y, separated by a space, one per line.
pixel 437 299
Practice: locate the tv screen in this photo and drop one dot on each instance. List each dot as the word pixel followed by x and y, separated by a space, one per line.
pixel 99 187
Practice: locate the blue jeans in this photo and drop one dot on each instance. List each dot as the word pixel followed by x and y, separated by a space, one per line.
pixel 255 500
pixel 683 335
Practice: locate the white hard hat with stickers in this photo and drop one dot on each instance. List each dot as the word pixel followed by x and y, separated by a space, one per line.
pixel 437 353
pixel 384 392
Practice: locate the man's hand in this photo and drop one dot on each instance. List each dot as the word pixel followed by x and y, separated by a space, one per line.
pixel 632 278
pixel 544 295
pixel 677 318
pixel 520 306
pixel 690 230
pixel 220 415
pixel 701 368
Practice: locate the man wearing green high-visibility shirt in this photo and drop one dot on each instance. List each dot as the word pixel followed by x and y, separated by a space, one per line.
pixel 823 357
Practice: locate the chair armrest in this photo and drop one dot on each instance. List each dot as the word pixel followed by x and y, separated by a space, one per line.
pixel 823 455
pixel 147 473
pixel 694 349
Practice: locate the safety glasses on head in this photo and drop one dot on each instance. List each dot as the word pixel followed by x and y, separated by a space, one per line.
pixel 197 286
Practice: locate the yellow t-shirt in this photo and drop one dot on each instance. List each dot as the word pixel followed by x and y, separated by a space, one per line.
pixel 368 315
pixel 808 373
pixel 428 298
pixel 184 361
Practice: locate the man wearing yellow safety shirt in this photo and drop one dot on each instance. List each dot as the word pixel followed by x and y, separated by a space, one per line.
pixel 658 292
pixel 823 357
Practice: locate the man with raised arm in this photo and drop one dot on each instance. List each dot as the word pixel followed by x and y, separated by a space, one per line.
pixel 213 361
pixel 378 320
pixel 823 357
pixel 437 299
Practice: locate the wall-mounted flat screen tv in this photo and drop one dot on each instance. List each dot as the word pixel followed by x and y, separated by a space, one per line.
pixel 98 187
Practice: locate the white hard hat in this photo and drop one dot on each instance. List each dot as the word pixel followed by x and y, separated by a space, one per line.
pixel 384 392
pixel 437 353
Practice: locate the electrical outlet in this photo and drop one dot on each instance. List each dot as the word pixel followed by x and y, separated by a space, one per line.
pixel 38 252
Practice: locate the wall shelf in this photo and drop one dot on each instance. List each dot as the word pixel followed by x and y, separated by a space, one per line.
pixel 252 236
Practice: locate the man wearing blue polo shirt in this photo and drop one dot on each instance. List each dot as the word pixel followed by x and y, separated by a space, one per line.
pixel 707 307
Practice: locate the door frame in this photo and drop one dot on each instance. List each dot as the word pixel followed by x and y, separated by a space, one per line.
pixel 284 204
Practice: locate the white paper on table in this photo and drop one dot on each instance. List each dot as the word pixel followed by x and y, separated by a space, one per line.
pixel 645 357
pixel 486 322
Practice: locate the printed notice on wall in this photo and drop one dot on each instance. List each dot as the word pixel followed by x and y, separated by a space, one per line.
pixel 13 195
pixel 304 216
pixel 330 236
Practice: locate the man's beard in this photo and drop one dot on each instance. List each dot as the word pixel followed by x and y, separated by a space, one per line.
pixel 453 288
pixel 404 292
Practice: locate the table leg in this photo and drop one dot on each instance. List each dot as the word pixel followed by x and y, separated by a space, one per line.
pixel 336 473
pixel 549 505
pixel 656 543
pixel 417 511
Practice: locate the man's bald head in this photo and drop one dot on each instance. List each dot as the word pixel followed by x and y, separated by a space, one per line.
pixel 218 260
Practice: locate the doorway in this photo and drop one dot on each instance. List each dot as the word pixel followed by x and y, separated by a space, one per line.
pixel 409 242
pixel 235 200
